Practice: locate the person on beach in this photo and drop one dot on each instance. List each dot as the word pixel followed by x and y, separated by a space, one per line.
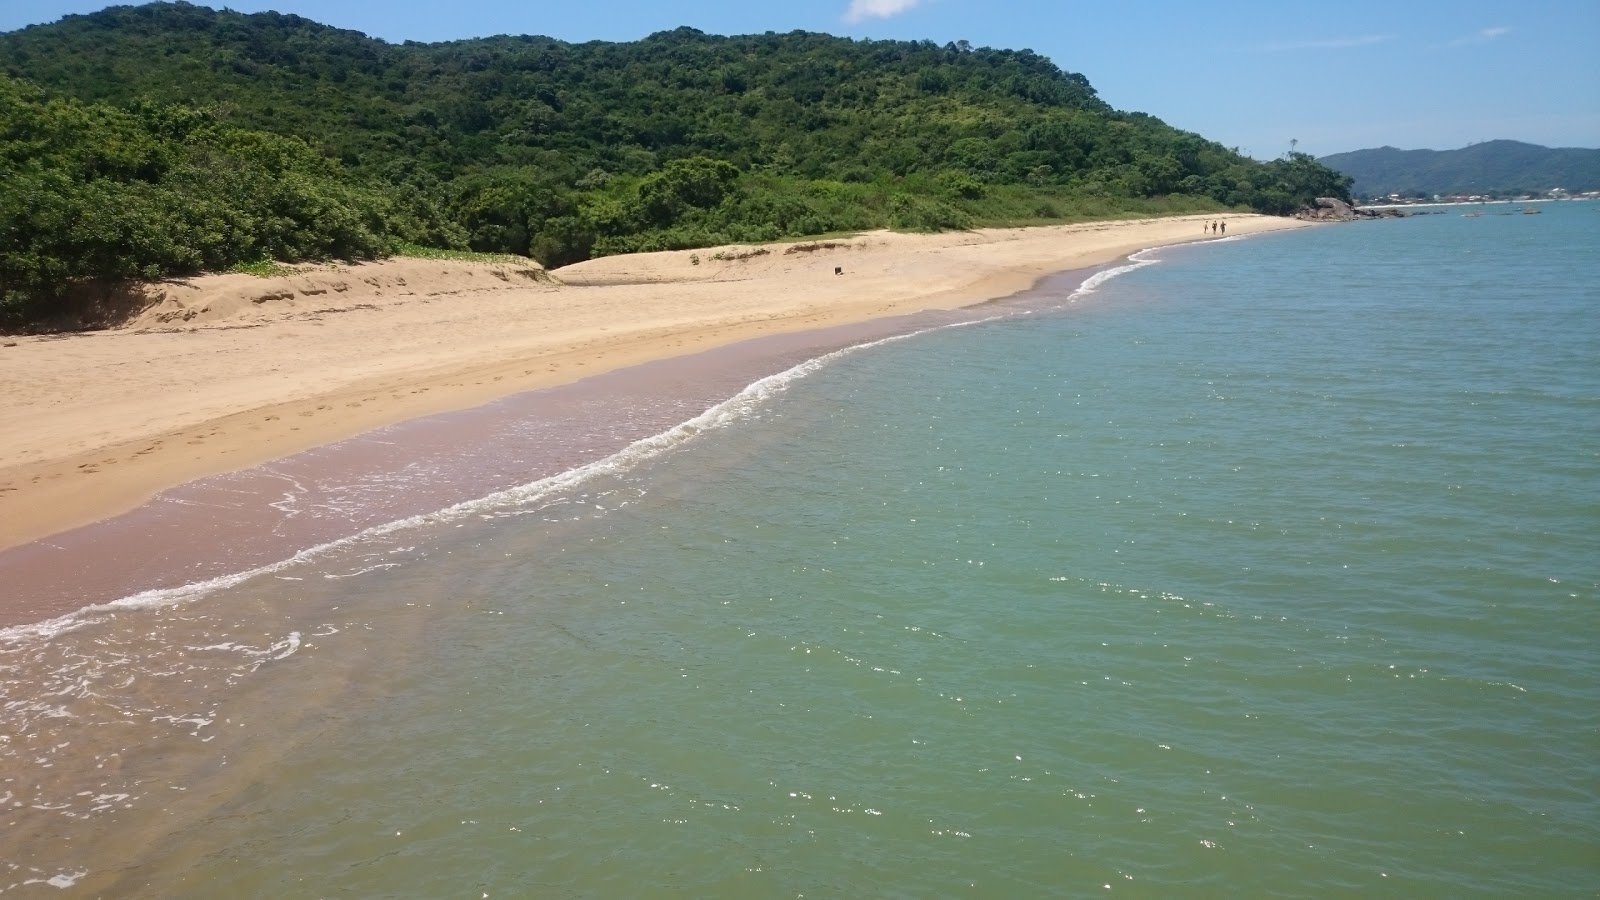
pixel 1224 227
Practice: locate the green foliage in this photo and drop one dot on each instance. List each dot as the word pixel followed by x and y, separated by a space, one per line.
pixel 175 138
pixel 908 212
pixel 1288 181
pixel 96 192
pixel 261 268
pixel 961 185
pixel 684 185
pixel 417 251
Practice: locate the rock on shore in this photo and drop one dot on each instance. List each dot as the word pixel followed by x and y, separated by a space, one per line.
pixel 1332 209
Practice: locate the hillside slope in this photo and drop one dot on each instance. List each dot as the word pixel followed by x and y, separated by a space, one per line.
pixel 171 138
pixel 1492 166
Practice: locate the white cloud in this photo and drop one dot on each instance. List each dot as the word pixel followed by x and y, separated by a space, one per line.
pixel 1483 36
pixel 877 9
pixel 1365 40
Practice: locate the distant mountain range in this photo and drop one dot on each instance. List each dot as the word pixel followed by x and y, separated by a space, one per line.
pixel 1504 167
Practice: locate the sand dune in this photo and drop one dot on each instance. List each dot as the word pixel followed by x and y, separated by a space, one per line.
pixel 226 371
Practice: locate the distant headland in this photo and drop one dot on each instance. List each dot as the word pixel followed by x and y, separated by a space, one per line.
pixel 1496 170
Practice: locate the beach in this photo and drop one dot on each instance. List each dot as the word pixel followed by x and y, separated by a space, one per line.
pixel 229 371
pixel 1184 563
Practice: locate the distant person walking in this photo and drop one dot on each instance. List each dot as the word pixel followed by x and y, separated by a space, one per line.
pixel 1224 227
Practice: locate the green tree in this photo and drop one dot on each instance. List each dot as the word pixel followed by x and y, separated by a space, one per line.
pixel 694 183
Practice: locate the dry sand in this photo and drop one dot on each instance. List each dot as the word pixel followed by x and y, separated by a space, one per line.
pixel 228 371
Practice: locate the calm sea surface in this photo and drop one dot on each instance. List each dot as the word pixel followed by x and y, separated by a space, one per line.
pixel 1270 567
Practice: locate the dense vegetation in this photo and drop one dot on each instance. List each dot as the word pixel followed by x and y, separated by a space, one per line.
pixel 170 138
pixel 94 191
pixel 1492 167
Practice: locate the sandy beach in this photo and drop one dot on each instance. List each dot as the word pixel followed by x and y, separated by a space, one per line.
pixel 229 371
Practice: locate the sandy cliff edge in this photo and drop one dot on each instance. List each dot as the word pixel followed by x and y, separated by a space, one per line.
pixel 223 372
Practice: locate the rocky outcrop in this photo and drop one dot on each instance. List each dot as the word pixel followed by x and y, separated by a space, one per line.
pixel 1332 209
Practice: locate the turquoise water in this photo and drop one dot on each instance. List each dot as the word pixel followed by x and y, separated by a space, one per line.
pixel 1270 568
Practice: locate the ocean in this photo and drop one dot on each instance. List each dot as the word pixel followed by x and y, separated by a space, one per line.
pixel 1257 567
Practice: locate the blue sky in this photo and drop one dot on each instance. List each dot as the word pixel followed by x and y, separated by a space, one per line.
pixel 1256 75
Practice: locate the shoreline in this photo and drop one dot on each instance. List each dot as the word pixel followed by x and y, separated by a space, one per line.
pixel 523 449
pixel 101 422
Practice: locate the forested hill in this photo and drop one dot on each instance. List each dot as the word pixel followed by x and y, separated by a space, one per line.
pixel 1501 167
pixel 170 137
